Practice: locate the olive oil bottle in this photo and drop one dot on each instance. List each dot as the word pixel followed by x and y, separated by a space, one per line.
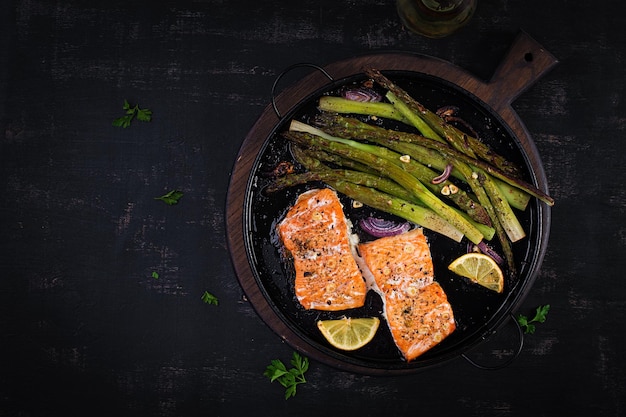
pixel 435 18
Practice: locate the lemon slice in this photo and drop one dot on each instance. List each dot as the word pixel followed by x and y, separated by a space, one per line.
pixel 349 333
pixel 479 268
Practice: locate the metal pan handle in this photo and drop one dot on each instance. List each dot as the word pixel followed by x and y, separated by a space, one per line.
pixel 284 72
pixel 509 360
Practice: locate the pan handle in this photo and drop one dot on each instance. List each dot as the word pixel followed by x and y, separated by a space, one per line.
pixel 288 69
pixel 509 360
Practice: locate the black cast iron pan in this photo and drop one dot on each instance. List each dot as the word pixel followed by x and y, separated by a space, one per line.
pixel 252 214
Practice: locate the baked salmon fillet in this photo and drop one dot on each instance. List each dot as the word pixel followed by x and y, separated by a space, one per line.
pixel 416 308
pixel 316 233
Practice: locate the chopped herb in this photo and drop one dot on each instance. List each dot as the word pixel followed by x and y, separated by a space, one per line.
pixel 209 298
pixel 155 275
pixel 143 115
pixel 540 316
pixel 288 378
pixel 171 198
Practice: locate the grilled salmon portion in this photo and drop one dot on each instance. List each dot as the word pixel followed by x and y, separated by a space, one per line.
pixel 416 308
pixel 316 233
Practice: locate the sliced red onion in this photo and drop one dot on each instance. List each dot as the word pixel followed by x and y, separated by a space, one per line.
pixel 444 175
pixel 484 248
pixel 380 227
pixel 362 94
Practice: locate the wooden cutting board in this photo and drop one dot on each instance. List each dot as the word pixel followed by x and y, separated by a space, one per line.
pixel 524 64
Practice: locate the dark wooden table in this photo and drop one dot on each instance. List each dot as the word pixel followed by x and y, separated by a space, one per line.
pixel 85 327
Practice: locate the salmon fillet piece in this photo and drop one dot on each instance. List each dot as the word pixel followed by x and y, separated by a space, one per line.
pixel 316 233
pixel 416 308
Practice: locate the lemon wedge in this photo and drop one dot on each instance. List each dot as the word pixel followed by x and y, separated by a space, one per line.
pixel 479 268
pixel 349 333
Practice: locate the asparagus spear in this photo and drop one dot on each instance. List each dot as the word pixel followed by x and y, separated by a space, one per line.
pixel 343 105
pixel 409 113
pixel 341 161
pixel 350 149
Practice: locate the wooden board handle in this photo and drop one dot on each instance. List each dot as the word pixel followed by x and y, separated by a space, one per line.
pixel 525 62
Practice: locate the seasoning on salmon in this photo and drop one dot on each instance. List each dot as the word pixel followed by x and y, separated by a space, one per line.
pixel 416 308
pixel 317 234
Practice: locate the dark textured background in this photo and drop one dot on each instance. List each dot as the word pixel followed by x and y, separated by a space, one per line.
pixel 86 330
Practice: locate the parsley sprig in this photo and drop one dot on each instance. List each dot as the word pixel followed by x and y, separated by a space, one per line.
pixel 288 378
pixel 540 316
pixel 143 115
pixel 171 198
pixel 209 298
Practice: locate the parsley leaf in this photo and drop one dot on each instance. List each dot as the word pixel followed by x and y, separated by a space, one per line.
pixel 171 198
pixel 155 275
pixel 209 298
pixel 143 115
pixel 123 121
pixel 540 316
pixel 288 378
